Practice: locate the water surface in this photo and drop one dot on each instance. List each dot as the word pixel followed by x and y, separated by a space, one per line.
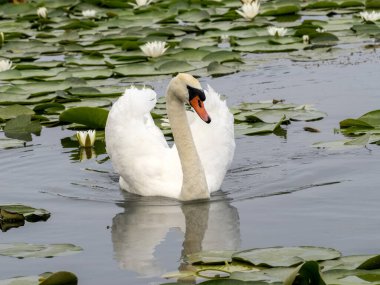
pixel 279 191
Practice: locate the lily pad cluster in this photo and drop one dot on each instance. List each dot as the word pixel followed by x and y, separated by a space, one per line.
pixel 63 58
pixel 267 117
pixel 362 131
pixel 281 265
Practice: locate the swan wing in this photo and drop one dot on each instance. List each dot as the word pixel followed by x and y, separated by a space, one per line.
pixel 138 149
pixel 215 142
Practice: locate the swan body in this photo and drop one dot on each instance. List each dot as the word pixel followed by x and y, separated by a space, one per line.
pixel 198 161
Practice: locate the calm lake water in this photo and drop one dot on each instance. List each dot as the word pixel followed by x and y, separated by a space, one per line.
pixel 280 191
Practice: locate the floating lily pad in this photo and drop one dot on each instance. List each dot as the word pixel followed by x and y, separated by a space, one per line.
pixel 11 143
pixel 345 144
pixel 368 123
pixel 285 256
pixel 22 128
pixel 60 278
pixel 57 278
pixel 28 250
pixel 210 257
pixel 13 111
pixel 29 213
pixel 91 117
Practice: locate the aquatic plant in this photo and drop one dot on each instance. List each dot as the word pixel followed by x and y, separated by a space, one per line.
pixel 275 31
pixel 5 64
pixel 86 138
pixel 370 16
pixel 249 10
pixel 154 49
pixel 42 12
pixel 89 13
pixel 141 3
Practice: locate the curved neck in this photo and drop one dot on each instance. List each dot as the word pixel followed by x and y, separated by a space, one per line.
pixel 194 184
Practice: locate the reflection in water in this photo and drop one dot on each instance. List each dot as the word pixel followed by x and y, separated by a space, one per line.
pixel 138 231
pixel 98 151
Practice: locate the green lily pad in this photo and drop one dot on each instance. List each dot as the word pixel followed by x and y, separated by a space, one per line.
pixel 194 15
pixel 285 256
pixel 91 117
pixel 351 277
pixel 352 262
pixel 174 66
pixel 210 257
pixel 280 8
pixel 30 214
pixel 47 278
pixel 10 74
pixel 28 250
pixel 13 111
pixel 222 56
pixel 256 128
pixel 11 143
pixel 217 69
pixel 60 278
pixel 22 128
pixel 306 273
pixel 344 144
pixel 369 123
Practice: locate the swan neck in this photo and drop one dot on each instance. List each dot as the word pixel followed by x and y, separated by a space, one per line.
pixel 194 184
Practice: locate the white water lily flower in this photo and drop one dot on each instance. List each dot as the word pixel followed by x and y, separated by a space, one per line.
pixel 141 3
pixel 86 138
pixel 370 16
pixel 249 10
pixel 225 38
pixel 320 30
pixel 42 12
pixel 154 49
pixel 274 31
pixel 306 39
pixel 5 64
pixel 247 1
pixel 89 13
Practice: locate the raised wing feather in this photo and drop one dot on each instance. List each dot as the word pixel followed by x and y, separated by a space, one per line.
pixel 137 147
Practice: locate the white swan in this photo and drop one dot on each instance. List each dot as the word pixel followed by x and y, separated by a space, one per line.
pixel 192 168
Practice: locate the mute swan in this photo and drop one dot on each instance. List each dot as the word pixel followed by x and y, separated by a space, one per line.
pixel 198 161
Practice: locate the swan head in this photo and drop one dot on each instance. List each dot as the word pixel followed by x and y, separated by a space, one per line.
pixel 188 89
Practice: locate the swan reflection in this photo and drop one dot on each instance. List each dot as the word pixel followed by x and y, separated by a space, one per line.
pixel 142 226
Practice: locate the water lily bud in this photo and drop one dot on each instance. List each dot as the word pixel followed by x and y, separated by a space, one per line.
pixel 42 12
pixel 306 39
pixel 86 138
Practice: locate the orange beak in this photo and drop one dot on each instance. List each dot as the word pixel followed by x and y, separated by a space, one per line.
pixel 198 106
